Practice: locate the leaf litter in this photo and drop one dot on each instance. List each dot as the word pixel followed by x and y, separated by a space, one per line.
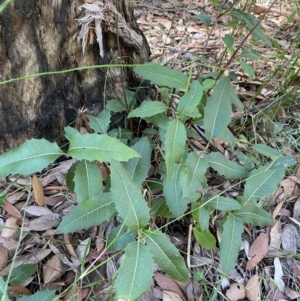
pixel 267 273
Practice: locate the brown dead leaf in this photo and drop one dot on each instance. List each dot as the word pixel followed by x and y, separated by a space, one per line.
pixel 12 210
pixel 168 284
pixel 52 269
pixel 289 238
pixel 38 191
pixel 253 289
pixel 69 246
pixel 14 197
pixel 258 250
pixel 296 212
pixel 45 222
pixel 292 294
pixel 10 227
pixel 73 294
pixel 275 235
pixel 28 259
pixel 37 210
pixel 236 292
pixel 3 257
pixel 170 296
pixel 19 290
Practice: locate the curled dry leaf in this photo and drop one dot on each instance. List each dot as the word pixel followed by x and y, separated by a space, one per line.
pixel 69 246
pixel 236 292
pixel 3 257
pixel 10 227
pixel 275 235
pixel 252 288
pixel 45 222
pixel 52 269
pixel 38 191
pixel 14 197
pixel 258 250
pixel 19 290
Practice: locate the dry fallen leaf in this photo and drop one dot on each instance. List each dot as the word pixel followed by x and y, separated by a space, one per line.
pixel 236 292
pixel 52 269
pixel 253 289
pixel 45 222
pixel 289 238
pixel 37 210
pixel 170 296
pixel 38 191
pixel 10 227
pixel 3 257
pixel 168 284
pixel 258 250
pixel 275 235
pixel 19 290
pixel 12 210
pixel 278 275
pixel 296 212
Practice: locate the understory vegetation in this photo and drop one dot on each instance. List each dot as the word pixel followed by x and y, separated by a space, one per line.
pixel 198 158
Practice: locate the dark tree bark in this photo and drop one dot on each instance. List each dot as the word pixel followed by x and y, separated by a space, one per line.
pixel 43 35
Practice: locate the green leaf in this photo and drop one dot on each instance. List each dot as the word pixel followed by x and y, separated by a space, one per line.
pixel 88 213
pixel 189 102
pixel 3 290
pixel 148 108
pixel 196 168
pixel 119 237
pixel 102 148
pixel 163 76
pixel 88 180
pixel 173 191
pixel 201 215
pixel 30 157
pixel 206 19
pixel 250 22
pixel 45 295
pixel 166 255
pixel 218 109
pixel 159 208
pixel 224 204
pixel 100 123
pixel 70 176
pixel 248 70
pixel 128 198
pixel 229 42
pixel 228 138
pixel 174 144
pixel 3 5
pixel 262 183
pixel 135 274
pixel 266 151
pixel 138 167
pixel 230 243
pixel 115 106
pixel 225 167
pixel 283 162
pixel 160 120
pixel 246 53
pixel 204 238
pixel 254 215
pixel 21 273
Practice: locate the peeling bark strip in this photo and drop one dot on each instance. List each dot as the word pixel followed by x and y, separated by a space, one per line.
pixel 41 36
pixel 106 15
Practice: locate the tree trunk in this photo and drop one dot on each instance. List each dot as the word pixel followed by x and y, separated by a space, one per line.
pixel 38 36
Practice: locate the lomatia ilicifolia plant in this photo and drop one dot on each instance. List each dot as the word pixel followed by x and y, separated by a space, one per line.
pixel 176 190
